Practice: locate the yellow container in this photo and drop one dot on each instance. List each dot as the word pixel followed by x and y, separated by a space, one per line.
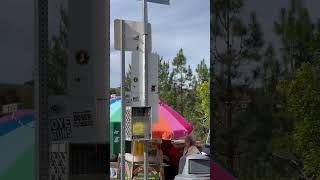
pixel 137 148
pixel 138 128
pixel 141 149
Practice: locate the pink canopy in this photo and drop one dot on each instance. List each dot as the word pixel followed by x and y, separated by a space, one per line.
pixel 170 124
pixel 218 173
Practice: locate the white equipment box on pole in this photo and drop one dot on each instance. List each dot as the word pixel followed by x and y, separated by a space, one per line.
pixel 137 79
pixel 78 118
pixel 138 119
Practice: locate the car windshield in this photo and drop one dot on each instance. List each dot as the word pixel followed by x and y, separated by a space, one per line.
pixel 199 166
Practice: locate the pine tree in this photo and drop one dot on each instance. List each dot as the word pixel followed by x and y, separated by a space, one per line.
pixel 271 69
pixel 127 81
pixel 234 44
pixel 295 30
pixel 189 76
pixel 202 72
pixel 165 91
pixel 58 57
pixel 179 76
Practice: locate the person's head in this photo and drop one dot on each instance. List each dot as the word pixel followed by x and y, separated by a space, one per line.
pixel 189 141
pixel 113 158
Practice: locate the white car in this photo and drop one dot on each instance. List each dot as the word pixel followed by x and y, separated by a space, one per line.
pixel 196 167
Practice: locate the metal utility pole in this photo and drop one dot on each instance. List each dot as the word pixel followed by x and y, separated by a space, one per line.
pixel 145 73
pixel 123 109
pixel 145 84
pixel 40 91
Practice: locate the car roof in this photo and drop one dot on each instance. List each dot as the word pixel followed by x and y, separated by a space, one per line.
pixel 198 156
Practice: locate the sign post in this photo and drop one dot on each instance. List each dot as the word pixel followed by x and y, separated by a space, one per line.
pixel 145 62
pixel 145 84
pixel 133 44
pixel 122 139
pixel 128 37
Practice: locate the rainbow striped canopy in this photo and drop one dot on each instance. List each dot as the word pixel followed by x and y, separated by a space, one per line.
pixel 17 137
pixel 19 156
pixel 170 125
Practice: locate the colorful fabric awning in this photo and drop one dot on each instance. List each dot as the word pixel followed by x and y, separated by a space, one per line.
pixel 10 122
pixel 17 145
pixel 170 125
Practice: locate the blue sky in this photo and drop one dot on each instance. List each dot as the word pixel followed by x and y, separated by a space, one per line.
pixel 184 24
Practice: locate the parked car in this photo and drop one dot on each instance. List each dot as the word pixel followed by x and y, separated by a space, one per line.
pixel 196 167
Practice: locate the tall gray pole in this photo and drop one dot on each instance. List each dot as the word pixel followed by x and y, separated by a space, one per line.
pixel 40 90
pixel 145 61
pixel 122 151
